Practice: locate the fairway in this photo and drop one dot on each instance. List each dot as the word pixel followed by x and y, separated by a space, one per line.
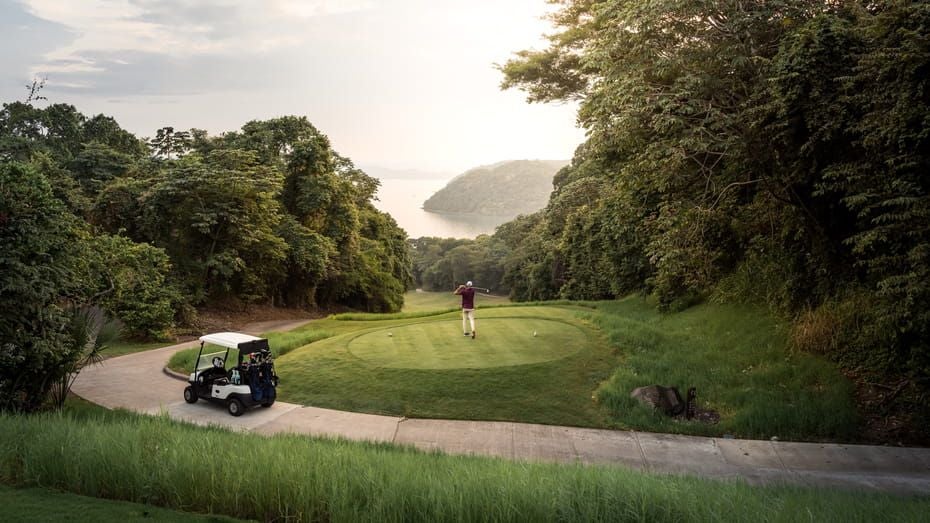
pixel 440 345
pixel 418 301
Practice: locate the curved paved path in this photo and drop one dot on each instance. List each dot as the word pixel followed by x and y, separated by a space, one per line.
pixel 137 382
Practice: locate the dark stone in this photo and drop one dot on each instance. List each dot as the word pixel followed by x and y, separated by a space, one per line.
pixel 666 399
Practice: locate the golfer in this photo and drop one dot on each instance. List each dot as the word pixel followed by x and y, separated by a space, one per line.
pixel 468 307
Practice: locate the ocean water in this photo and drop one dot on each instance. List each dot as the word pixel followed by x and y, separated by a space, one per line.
pixel 403 199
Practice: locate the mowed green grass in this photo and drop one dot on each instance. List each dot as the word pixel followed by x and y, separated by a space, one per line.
pixel 439 344
pixel 427 368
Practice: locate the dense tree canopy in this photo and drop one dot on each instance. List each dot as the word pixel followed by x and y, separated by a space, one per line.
pixel 36 248
pixel 766 151
pixel 93 217
pixel 441 264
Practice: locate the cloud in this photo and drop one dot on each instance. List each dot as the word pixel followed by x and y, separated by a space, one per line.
pixel 137 73
pixel 398 82
pixel 175 30
pixel 305 9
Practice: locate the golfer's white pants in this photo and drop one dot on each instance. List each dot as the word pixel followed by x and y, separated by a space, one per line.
pixel 468 314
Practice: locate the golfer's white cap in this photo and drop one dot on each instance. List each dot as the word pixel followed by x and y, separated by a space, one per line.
pixel 468 284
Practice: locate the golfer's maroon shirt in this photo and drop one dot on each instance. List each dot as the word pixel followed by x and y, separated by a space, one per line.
pixel 468 298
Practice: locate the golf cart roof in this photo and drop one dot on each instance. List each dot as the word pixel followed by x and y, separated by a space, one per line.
pixel 236 340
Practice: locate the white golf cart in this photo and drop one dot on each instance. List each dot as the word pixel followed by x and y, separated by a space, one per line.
pixel 241 376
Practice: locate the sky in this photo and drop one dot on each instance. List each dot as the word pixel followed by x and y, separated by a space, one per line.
pixel 400 84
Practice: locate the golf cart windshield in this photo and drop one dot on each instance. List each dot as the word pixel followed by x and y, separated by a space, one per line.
pixel 206 360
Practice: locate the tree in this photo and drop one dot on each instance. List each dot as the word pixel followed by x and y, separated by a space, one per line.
pixel 35 90
pixel 275 140
pixel 309 262
pixel 269 213
pixel 326 194
pixel 848 108
pixel 105 130
pixel 96 165
pixel 216 217
pixel 131 281
pixel 531 269
pixel 37 238
pixel 20 131
pixel 767 150
pixel 170 144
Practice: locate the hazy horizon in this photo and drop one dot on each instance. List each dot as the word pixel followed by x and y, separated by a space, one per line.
pixel 403 85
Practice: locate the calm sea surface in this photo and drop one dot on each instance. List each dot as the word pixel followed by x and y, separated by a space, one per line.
pixel 403 199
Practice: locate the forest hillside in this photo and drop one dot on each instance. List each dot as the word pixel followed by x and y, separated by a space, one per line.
pixel 503 189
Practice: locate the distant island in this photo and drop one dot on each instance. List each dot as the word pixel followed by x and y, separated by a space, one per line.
pixel 504 189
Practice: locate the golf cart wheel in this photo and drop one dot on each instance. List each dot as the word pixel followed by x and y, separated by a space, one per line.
pixel 189 395
pixel 235 407
pixel 266 405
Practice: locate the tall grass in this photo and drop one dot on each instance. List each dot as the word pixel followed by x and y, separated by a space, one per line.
pixel 738 359
pixel 283 342
pixel 294 478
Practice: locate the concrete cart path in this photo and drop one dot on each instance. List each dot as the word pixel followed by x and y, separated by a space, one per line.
pixel 137 382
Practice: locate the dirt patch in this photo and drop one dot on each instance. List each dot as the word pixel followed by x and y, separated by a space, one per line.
pixel 221 320
pixel 893 412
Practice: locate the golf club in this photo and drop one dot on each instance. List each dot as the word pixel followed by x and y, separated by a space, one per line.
pixel 480 288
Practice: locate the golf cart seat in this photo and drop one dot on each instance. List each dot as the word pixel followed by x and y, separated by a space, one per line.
pixel 212 374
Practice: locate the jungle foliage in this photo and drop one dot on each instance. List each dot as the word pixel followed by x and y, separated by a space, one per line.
pixel 771 152
pixel 441 264
pixel 147 230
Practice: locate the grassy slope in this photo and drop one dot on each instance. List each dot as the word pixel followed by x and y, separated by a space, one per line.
pixel 295 478
pixel 37 505
pixel 737 359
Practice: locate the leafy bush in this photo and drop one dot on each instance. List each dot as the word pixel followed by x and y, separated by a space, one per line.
pixel 136 288
pixel 37 242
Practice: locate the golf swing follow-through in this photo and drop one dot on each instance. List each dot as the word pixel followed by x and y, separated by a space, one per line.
pixel 467 292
